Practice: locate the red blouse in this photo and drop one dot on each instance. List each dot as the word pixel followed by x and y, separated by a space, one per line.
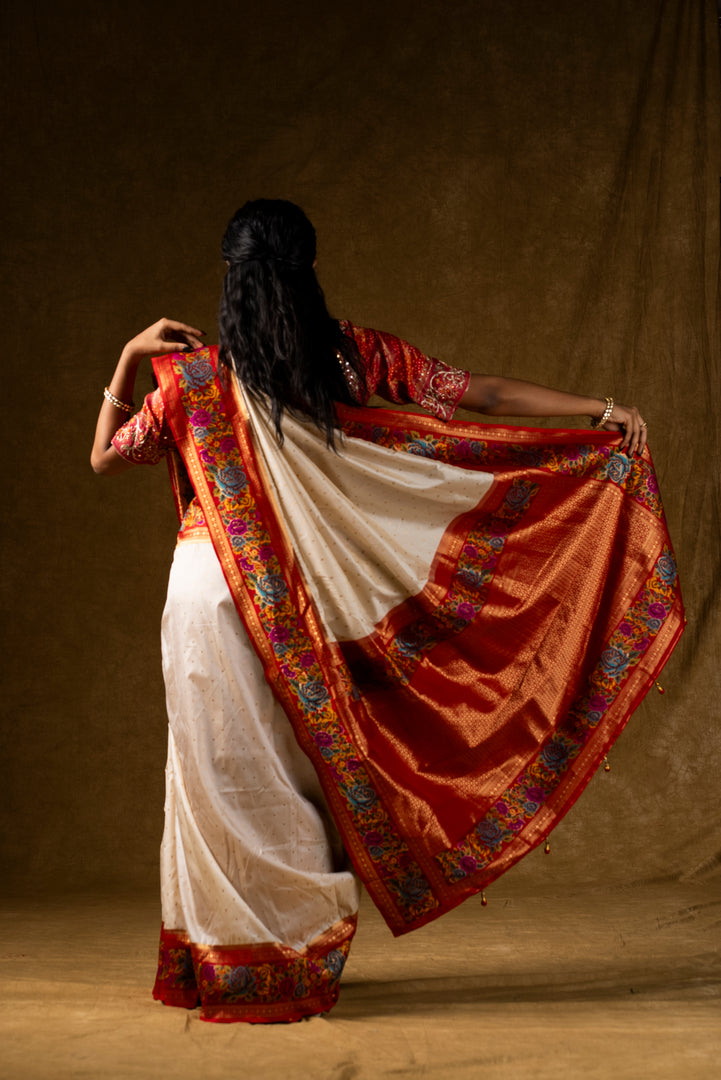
pixel 394 370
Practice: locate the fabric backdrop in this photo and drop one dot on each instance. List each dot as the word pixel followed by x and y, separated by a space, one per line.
pixel 526 189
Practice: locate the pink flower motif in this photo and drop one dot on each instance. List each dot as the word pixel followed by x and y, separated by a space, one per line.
pixel 465 611
pixel 535 794
pixel 279 634
pixel 200 418
pixel 307 660
pixel 227 444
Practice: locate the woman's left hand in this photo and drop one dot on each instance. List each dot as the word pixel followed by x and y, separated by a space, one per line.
pixel 165 335
pixel 628 420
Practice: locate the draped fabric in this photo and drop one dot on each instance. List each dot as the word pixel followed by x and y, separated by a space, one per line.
pixel 258 904
pixel 456 699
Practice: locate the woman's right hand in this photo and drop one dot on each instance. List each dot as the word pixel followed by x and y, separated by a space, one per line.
pixel 165 335
pixel 635 432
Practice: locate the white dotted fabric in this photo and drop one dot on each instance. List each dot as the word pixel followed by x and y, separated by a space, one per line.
pixel 249 853
pixel 365 524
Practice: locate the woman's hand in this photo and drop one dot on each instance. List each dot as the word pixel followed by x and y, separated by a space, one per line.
pixel 628 419
pixel 165 335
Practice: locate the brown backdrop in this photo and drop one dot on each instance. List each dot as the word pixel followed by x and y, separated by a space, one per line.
pixel 527 189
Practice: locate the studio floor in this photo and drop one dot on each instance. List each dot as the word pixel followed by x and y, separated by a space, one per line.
pixel 621 983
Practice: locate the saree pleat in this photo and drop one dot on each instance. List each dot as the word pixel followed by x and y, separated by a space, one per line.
pixel 252 870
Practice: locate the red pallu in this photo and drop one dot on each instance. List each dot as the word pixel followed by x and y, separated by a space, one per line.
pixel 451 740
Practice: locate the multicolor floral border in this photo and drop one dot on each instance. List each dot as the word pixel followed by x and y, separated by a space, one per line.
pixel 635 476
pixel 175 982
pixel 256 983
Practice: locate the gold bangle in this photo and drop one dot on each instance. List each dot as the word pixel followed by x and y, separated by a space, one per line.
pixel 109 396
pixel 606 414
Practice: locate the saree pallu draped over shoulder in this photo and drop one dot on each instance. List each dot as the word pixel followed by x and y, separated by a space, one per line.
pixel 453 724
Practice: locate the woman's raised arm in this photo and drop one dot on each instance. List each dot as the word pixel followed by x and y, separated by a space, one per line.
pixel 166 335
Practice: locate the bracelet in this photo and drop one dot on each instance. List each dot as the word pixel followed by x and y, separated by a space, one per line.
pixel 117 402
pixel 606 414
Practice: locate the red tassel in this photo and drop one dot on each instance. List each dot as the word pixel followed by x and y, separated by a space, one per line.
pixel 547 847
pixel 659 687
pixel 484 901
pixel 606 765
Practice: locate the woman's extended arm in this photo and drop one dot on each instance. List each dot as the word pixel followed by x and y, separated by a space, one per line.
pixel 496 396
pixel 162 336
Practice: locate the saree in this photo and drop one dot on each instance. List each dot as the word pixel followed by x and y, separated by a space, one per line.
pixel 549 609
pixel 455 663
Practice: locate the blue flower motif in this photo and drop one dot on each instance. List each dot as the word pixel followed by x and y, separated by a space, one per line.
pixel 313 694
pixel 413 888
pixel 497 542
pixel 197 372
pixel 241 980
pixel 422 448
pixel 666 568
pixel 471 578
pixel 231 479
pixel 362 796
pixel 555 755
pixel 489 832
pixel 654 625
pixel 614 661
pixel 518 496
pixel 271 587
pixel 618 468
pixel 412 638
pixel 335 962
pixel 376 852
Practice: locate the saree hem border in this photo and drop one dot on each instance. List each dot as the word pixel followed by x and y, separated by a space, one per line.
pixel 261 983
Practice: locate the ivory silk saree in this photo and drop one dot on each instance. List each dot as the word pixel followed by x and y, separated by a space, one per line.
pixel 456 619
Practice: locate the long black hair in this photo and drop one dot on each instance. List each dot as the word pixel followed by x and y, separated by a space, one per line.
pixel 275 330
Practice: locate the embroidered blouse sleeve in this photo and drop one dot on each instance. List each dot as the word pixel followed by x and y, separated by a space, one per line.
pixel 401 373
pixel 146 437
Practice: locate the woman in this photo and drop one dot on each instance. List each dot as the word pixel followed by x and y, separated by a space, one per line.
pixel 386 634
